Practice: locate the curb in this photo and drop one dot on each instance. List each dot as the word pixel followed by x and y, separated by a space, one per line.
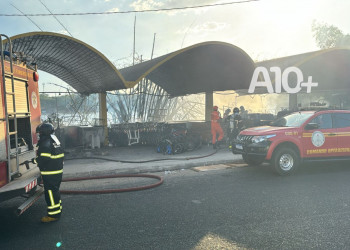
pixel 151 169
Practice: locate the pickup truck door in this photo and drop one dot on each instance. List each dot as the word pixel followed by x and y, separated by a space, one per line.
pixel 342 125
pixel 319 142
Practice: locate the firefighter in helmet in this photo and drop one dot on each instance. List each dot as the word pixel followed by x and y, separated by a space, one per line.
pixel 216 127
pixel 235 125
pixel 50 158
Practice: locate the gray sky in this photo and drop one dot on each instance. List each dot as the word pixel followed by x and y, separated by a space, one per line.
pixel 264 29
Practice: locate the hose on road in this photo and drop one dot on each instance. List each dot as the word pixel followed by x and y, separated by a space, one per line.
pixel 145 161
pixel 123 175
pixel 107 191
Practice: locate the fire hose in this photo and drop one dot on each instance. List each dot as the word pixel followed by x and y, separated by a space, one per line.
pixel 145 161
pixel 35 197
pixel 107 191
pixel 161 180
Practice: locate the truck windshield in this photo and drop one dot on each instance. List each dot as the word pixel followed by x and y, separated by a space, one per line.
pixel 292 120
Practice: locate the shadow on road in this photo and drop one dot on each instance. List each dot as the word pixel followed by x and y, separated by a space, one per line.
pixel 314 168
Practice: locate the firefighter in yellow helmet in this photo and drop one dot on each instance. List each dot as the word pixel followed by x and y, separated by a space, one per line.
pixel 50 158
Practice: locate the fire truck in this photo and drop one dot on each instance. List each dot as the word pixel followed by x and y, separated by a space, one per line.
pixel 19 116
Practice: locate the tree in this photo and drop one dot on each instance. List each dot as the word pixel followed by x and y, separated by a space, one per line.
pixel 329 36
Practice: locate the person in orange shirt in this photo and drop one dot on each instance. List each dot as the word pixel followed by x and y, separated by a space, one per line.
pixel 216 127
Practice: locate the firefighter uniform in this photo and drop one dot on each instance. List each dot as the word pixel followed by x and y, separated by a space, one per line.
pixel 216 127
pixel 50 158
pixel 235 125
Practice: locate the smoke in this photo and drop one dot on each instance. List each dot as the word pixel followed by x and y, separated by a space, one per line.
pixel 263 103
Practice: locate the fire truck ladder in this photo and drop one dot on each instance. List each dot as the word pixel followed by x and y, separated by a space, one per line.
pixel 8 114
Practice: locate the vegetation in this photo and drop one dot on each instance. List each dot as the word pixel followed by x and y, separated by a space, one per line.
pixel 329 36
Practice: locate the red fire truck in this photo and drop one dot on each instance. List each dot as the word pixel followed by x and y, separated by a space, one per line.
pixel 296 138
pixel 19 116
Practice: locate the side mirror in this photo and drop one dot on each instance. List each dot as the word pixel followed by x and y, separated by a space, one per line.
pixel 311 126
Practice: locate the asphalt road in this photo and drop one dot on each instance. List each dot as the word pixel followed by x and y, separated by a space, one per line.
pixel 236 208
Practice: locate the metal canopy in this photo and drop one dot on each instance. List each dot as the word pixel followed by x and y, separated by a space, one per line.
pixel 78 64
pixel 204 67
pixel 329 68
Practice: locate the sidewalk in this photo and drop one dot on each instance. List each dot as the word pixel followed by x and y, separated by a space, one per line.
pixel 95 167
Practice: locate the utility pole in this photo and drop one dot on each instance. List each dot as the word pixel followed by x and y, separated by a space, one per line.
pixel 154 40
pixel 133 51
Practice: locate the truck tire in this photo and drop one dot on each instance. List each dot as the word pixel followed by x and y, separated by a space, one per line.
pixel 285 160
pixel 251 161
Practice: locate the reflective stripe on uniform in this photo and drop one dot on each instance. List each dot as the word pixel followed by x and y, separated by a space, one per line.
pixel 51 198
pixel 55 206
pixel 57 156
pixel 52 156
pixel 51 172
pixel 55 212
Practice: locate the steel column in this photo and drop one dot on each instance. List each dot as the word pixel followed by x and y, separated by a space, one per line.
pixel 102 97
pixel 209 101
pixel 293 102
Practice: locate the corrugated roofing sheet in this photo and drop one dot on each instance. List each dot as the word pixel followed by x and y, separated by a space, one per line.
pixel 204 67
pixel 78 64
pixel 330 68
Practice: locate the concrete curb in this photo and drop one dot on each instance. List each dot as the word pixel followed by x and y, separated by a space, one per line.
pixel 149 169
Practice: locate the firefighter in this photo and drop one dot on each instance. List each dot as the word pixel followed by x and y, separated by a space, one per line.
pixel 243 112
pixel 235 124
pixel 216 127
pixel 227 113
pixel 50 158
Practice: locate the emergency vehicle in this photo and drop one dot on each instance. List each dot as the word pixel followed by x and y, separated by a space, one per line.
pixel 19 116
pixel 296 138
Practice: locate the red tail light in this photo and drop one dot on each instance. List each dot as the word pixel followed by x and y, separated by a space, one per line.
pixel 35 76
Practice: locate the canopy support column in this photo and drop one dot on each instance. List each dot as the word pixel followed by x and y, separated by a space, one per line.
pixel 293 102
pixel 209 102
pixel 102 97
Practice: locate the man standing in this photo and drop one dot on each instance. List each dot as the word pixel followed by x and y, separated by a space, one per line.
pixel 216 127
pixel 235 125
pixel 50 158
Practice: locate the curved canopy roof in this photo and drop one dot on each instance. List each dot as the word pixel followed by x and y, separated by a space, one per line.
pixel 329 68
pixel 205 67
pixel 78 64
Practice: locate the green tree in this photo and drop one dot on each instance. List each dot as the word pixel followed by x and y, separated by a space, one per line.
pixel 329 36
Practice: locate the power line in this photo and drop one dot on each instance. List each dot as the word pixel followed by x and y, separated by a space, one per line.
pixel 55 17
pixel 138 93
pixel 130 11
pixel 27 17
pixel 57 92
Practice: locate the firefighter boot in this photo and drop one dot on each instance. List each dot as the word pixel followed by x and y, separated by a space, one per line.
pixel 48 219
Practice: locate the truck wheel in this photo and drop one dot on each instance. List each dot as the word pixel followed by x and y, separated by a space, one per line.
pixel 285 161
pixel 251 160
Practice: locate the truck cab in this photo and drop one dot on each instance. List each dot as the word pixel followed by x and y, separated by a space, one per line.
pixel 295 138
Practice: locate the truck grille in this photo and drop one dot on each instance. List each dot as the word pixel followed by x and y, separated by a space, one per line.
pixel 245 138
